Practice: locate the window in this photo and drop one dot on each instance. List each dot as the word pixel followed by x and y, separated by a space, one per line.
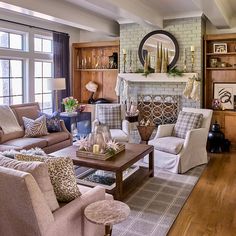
pixel 26 61
pixel 42 73
pixel 11 40
pixel 42 45
pixel 11 81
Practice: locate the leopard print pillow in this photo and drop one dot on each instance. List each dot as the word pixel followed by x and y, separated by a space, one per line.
pixel 62 175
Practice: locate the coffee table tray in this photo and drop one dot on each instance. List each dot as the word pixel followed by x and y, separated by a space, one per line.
pixel 99 156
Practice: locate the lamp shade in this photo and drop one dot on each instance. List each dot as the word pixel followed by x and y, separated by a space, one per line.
pixel 91 86
pixel 57 84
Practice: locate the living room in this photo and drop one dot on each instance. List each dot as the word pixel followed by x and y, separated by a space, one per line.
pixel 107 89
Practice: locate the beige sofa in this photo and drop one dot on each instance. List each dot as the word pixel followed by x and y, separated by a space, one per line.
pixel 25 210
pixel 16 140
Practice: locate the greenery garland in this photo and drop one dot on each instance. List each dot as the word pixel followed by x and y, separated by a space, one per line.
pixel 175 72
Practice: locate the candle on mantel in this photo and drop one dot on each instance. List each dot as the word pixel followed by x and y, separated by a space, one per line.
pixel 192 48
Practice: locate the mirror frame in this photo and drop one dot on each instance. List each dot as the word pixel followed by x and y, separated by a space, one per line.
pixel 140 54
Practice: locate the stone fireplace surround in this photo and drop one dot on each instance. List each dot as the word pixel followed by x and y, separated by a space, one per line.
pixel 147 93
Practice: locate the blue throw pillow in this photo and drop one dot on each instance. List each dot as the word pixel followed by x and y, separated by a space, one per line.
pixel 53 121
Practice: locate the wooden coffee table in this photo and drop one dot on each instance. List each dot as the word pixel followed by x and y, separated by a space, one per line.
pixel 117 164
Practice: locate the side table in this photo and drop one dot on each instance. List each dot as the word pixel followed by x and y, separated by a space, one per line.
pixel 81 120
pixel 107 213
pixel 145 132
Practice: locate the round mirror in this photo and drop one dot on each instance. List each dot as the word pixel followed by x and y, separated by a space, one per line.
pixel 157 39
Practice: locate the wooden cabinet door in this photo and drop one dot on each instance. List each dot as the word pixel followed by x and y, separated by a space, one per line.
pixel 230 128
pixel 109 84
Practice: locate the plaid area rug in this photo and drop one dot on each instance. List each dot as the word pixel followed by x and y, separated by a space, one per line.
pixel 156 204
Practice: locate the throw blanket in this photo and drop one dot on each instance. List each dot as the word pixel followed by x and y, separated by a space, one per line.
pixel 8 121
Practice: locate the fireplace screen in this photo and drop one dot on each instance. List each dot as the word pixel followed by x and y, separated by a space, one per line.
pixel 159 109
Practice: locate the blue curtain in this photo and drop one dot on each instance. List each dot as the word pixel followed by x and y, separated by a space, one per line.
pixel 61 59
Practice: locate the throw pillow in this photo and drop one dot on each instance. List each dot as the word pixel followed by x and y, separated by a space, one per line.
pixel 53 121
pixel 35 128
pixel 110 116
pixel 62 175
pixel 39 171
pixel 187 121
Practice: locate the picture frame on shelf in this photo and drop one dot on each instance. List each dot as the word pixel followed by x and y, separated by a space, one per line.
pixel 225 92
pixel 220 47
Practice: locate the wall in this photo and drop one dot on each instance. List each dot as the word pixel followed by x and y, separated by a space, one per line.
pixel 73 32
pixel 86 36
pixel 188 31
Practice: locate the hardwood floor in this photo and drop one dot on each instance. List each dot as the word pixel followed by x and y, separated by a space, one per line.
pixel 211 207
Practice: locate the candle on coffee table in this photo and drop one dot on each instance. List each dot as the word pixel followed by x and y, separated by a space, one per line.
pixel 96 148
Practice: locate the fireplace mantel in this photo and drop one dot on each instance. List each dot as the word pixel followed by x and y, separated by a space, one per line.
pixel 137 81
pixel 155 77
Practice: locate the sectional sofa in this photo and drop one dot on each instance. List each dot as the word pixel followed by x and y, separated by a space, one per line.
pixel 16 140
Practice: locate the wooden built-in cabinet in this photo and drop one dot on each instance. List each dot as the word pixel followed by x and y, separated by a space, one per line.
pixel 95 62
pixel 220 67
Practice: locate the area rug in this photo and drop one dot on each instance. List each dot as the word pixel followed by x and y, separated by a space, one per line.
pixel 157 202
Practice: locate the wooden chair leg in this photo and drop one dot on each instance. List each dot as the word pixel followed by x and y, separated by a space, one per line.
pixel 108 230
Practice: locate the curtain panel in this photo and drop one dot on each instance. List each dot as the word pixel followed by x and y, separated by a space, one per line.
pixel 61 59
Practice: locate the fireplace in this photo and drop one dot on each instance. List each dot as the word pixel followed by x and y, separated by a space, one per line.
pixel 159 109
pixel 159 97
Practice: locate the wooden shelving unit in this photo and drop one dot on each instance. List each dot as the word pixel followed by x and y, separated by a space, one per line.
pixel 220 74
pixel 91 62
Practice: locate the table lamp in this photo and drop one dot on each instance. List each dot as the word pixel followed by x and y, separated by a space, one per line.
pixel 57 84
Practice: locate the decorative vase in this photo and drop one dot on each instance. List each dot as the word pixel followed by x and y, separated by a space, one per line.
pixel 69 109
pixel 216 139
pixel 145 69
pixel 164 62
pixel 158 61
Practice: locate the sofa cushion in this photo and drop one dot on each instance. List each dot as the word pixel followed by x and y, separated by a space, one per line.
pixel 52 121
pixel 62 175
pixel 27 143
pixel 13 135
pixel 30 111
pixel 171 145
pixel 110 116
pixel 35 128
pixel 39 171
pixel 187 121
pixel 54 138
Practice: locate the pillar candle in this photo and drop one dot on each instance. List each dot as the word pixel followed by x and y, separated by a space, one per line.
pixel 96 148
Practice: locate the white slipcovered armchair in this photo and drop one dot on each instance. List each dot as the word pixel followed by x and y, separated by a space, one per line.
pixel 113 115
pixel 176 154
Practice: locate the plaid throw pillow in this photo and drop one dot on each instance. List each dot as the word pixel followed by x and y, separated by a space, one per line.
pixel 187 121
pixel 110 116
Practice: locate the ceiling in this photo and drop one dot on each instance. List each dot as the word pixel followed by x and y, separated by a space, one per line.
pixel 106 15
